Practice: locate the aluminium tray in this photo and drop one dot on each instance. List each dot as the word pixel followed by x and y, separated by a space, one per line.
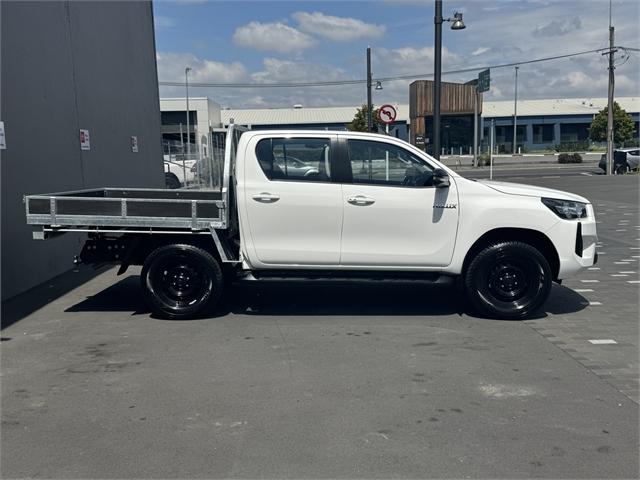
pixel 128 207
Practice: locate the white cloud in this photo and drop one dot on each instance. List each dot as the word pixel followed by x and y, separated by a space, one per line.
pixel 480 51
pixel 339 29
pixel 557 28
pixel 275 37
pixel 171 69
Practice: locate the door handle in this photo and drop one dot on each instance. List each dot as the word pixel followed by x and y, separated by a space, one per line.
pixel 360 200
pixel 265 197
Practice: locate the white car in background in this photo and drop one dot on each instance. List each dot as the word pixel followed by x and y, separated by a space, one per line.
pixel 179 173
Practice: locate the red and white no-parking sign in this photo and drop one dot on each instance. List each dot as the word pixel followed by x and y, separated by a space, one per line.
pixel 387 114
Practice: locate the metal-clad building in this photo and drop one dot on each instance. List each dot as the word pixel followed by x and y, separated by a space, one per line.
pixel 71 66
pixel 541 123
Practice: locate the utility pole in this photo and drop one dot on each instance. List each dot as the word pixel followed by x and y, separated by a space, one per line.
pixel 612 81
pixel 369 103
pixel 186 82
pixel 515 114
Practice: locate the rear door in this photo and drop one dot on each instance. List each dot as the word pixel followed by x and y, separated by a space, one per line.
pixel 293 207
pixel 393 217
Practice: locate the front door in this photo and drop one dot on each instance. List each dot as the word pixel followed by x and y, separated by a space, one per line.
pixel 294 210
pixel 393 217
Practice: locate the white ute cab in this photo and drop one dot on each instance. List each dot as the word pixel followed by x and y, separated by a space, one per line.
pixel 359 206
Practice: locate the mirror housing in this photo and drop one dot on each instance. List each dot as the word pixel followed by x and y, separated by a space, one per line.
pixel 441 178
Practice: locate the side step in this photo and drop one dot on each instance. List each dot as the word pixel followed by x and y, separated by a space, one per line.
pixel 345 277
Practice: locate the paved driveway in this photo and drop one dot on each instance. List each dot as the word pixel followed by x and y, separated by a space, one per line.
pixel 332 382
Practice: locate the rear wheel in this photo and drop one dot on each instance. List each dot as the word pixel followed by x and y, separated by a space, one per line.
pixel 181 281
pixel 171 181
pixel 622 168
pixel 508 280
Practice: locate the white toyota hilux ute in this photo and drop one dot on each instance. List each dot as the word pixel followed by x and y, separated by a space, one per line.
pixel 338 207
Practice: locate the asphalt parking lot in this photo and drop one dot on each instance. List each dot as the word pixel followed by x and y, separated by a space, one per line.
pixel 334 382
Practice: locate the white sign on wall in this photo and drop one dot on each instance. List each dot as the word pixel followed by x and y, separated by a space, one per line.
pixel 3 141
pixel 134 144
pixel 85 143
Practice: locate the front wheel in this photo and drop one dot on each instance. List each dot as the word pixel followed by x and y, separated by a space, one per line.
pixel 508 280
pixel 181 281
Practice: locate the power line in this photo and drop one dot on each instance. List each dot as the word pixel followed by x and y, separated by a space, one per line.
pixel 383 79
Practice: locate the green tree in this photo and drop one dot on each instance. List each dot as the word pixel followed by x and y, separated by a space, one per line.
pixel 623 126
pixel 359 122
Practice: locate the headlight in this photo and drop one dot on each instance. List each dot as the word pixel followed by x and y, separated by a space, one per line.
pixel 566 208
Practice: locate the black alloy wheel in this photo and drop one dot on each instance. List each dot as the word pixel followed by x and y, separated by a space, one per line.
pixel 508 280
pixel 181 281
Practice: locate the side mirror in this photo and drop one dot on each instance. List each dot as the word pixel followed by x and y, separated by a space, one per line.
pixel 440 178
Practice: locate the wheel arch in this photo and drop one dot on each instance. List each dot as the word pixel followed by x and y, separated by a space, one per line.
pixel 140 246
pixel 535 238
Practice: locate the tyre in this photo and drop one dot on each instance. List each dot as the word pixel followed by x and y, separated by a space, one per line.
pixel 181 281
pixel 171 181
pixel 508 280
pixel 622 168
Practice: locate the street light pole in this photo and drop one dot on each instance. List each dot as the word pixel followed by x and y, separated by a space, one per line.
pixel 369 102
pixel 186 82
pixel 515 114
pixel 437 75
pixel 457 24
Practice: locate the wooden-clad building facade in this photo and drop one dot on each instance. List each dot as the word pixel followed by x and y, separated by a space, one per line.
pixel 456 109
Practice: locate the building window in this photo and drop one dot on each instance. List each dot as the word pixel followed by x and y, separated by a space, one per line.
pixel 295 159
pixel 380 163
pixel 574 132
pixel 177 118
pixel 542 133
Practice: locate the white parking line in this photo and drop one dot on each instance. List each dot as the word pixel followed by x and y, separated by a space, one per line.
pixel 621 263
pixel 622 230
pixel 628 260
pixel 628 271
pixel 590 281
pixel 595 303
pixel 594 268
pixel 619 275
pixel 633 281
pixel 583 290
pixel 603 341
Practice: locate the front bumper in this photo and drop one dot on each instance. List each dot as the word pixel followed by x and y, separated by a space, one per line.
pixel 575 242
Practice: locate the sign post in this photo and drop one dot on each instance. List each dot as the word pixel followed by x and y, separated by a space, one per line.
pixel 483 85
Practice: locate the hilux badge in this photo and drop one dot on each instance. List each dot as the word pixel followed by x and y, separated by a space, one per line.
pixel 445 205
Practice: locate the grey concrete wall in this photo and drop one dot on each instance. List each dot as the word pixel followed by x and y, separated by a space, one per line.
pixel 67 66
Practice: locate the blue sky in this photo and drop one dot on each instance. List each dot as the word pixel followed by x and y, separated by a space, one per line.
pixel 267 41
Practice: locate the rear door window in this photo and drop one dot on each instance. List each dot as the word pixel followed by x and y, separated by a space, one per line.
pixel 295 159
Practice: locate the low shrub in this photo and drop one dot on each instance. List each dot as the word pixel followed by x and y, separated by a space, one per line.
pixel 484 160
pixel 569 158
